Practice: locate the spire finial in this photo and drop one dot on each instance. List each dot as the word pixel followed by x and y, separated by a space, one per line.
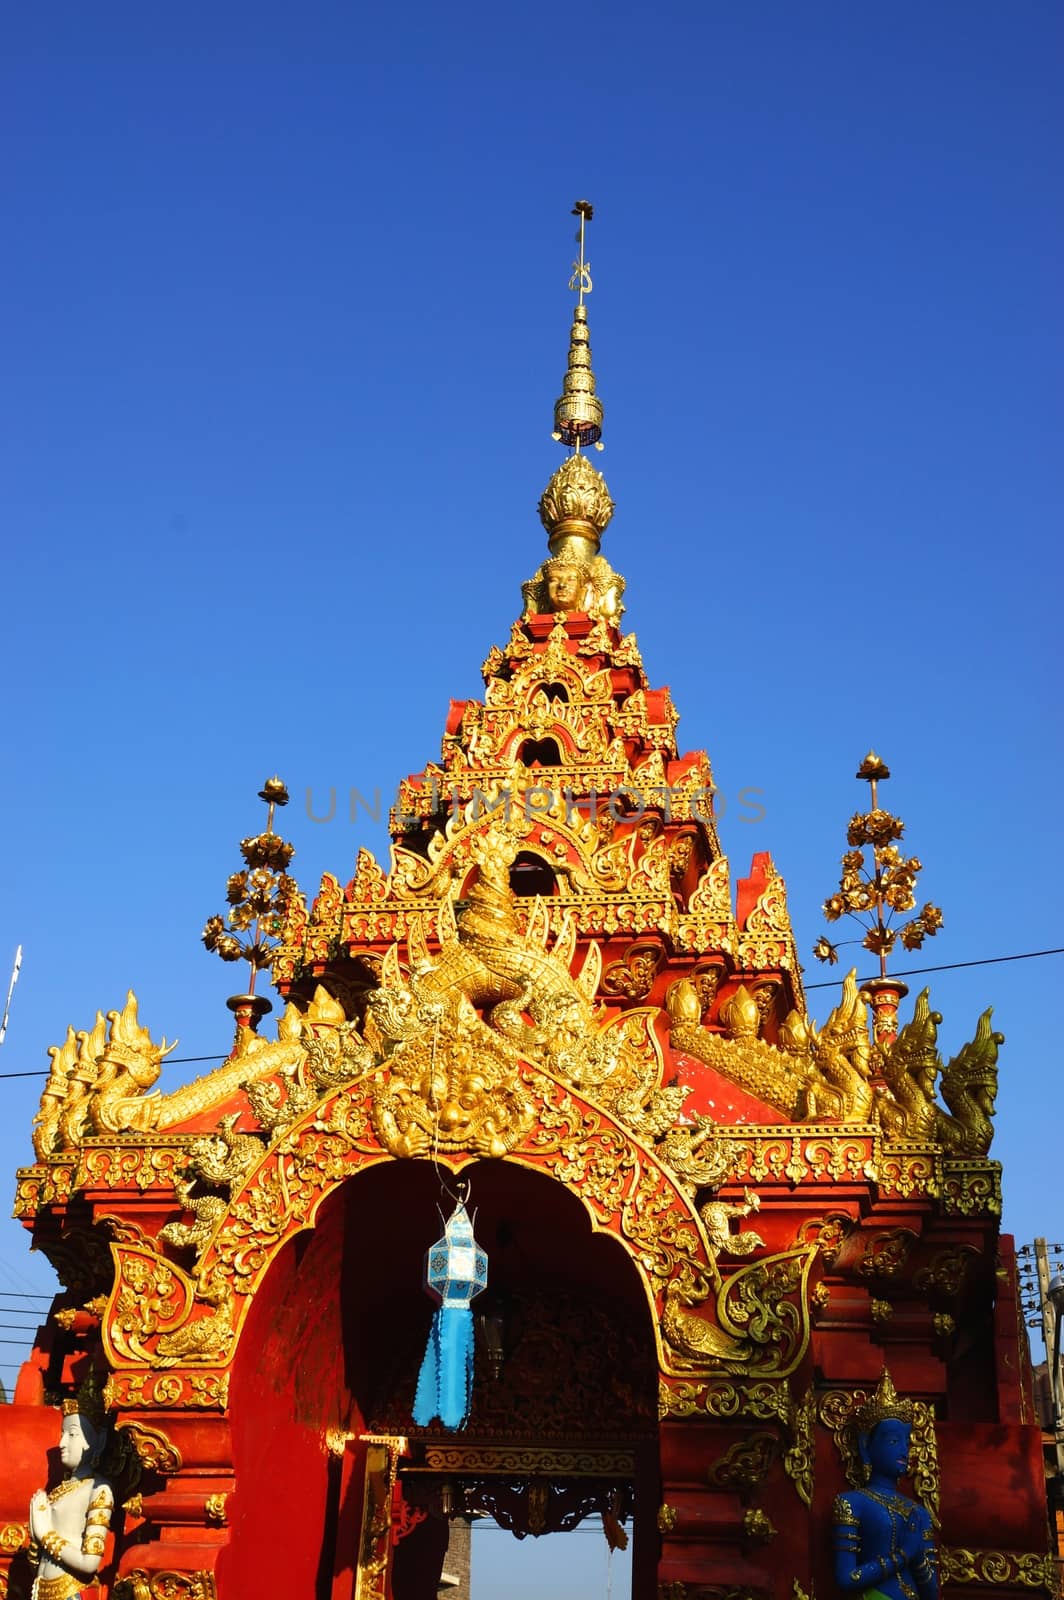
pixel 578 412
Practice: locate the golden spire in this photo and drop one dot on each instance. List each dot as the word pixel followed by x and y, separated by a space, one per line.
pixel 575 507
pixel 578 410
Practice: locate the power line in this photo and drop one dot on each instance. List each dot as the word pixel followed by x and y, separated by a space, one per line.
pixel 16 1294
pixel 949 966
pixel 830 983
pixel 172 1061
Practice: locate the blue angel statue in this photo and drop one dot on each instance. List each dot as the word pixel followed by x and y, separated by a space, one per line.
pixel 884 1542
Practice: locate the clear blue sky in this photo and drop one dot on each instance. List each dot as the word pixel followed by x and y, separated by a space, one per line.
pixel 286 311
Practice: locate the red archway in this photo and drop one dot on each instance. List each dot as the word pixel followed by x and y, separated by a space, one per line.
pixel 329 1353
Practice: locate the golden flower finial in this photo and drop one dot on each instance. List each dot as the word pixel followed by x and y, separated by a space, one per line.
pixel 874 891
pixel 576 501
pixel 257 896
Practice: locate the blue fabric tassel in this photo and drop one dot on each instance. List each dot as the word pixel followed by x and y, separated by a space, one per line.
pixel 445 1382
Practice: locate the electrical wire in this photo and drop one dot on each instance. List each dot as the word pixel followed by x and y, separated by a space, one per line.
pixel 906 972
pixel 949 966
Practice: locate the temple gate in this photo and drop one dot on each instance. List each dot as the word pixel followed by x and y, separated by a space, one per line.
pixel 712 1225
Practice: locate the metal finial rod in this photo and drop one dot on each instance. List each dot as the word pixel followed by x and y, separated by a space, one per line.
pixel 581 278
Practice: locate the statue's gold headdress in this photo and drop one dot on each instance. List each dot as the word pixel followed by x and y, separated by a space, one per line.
pixel 885 1404
pixel 87 1402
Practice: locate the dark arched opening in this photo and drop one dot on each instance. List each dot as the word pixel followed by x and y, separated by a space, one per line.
pixel 330 1353
pixel 540 753
pixel 531 875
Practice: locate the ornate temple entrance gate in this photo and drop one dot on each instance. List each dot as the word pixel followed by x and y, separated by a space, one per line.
pixel 552 992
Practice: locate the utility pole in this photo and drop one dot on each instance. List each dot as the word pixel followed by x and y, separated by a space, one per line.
pixel 1042 1280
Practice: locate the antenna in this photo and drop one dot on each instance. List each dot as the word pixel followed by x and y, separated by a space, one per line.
pixel 10 991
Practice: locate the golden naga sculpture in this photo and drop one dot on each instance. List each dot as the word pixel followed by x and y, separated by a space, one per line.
pixel 110 1096
pixel 969 1087
pixel 220 1160
pixel 911 1068
pixel 812 1074
pixel 426 1024
pixel 98 1084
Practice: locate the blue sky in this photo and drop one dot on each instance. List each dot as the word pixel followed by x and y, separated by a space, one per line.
pixel 286 313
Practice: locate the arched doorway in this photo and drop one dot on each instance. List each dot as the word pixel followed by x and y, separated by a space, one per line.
pixel 563 1421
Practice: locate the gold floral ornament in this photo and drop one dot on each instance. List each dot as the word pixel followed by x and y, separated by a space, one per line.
pixel 877 889
pixel 258 896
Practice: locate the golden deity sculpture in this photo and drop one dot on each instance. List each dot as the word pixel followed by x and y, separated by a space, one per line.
pixel 69 1526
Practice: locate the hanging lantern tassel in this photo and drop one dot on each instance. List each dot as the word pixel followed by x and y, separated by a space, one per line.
pixel 456 1269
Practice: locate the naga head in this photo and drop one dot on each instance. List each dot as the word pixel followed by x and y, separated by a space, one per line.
pixel 131 1047
pixel 915 1050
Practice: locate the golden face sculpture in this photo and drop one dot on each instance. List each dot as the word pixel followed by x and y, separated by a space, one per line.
pixel 566 584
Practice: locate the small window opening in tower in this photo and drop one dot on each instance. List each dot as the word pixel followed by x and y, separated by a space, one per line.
pixel 556 691
pixel 540 753
pixel 530 875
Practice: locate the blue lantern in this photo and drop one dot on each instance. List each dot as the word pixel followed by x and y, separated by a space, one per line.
pixel 456 1270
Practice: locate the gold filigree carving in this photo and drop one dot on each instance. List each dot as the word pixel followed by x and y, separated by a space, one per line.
pixel 764 1401
pixel 762 1317
pixel 947 1271
pixel 999 1567
pixel 766 941
pixel 126 1391
pixel 666 1517
pixel 971 1188
pixel 216 1510
pixel 530 1461
pixel 829 1233
pixel 151 1318
pixel 886 1254
pixel 155 1449
pixel 745 1463
pixel 140 1584
pixel 13 1535
pixel 632 977
pixel 758 1526
pixel 798 1459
